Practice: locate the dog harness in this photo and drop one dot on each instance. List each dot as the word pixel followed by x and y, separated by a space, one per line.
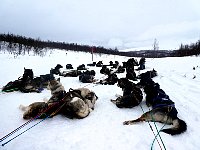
pixel 162 100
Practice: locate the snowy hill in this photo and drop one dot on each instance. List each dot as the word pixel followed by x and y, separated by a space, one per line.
pixel 103 128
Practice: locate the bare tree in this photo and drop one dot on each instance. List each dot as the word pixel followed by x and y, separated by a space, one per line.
pixel 155 48
pixel 155 45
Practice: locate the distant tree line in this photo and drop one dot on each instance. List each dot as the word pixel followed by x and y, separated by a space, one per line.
pixel 188 50
pixel 19 45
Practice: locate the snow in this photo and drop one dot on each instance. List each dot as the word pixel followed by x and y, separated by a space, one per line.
pixel 103 128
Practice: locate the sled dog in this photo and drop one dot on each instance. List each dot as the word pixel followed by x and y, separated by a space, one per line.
pixel 163 109
pixel 76 103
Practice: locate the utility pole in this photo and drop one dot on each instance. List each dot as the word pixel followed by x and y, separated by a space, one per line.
pixel 92 51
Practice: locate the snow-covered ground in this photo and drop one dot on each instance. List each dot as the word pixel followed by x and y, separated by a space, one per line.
pixel 103 128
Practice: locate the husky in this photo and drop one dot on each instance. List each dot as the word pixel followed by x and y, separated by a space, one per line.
pixel 87 77
pixel 88 96
pixel 132 95
pixel 56 70
pixel 36 108
pixel 148 74
pixel 82 103
pixel 55 86
pixel 110 80
pixel 76 103
pixel 71 73
pixel 163 110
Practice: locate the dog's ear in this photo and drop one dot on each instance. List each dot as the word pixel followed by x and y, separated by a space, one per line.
pixel 58 79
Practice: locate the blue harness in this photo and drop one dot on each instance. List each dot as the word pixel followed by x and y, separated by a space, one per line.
pixel 162 100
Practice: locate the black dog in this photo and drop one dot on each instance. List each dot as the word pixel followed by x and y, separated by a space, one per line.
pixel 92 64
pixel 147 74
pixel 56 70
pixel 132 95
pixel 99 64
pixel 105 70
pixel 115 65
pixel 163 109
pixel 71 73
pixel 87 76
pixel 28 74
pixel 81 67
pixel 69 66
pixel 120 69
pixel 131 62
pixel 130 74
pixel 110 80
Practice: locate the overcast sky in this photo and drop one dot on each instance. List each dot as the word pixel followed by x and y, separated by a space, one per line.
pixel 109 23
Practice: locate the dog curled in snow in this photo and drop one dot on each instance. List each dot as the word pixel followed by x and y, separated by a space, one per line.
pixel 132 95
pixel 76 103
pixel 81 104
pixel 163 109
pixel 71 73
pixel 148 74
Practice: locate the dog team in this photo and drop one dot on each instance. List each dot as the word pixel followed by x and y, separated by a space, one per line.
pixel 80 102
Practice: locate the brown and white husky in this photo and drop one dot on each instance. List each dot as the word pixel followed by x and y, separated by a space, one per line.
pixel 76 103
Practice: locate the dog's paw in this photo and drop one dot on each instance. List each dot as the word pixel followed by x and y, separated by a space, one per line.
pixel 113 101
pixel 126 123
pixel 90 109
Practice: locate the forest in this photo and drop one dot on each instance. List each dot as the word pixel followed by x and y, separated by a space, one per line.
pixel 19 45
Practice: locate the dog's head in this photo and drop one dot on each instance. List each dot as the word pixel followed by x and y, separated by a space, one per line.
pixel 153 73
pixel 151 88
pixel 91 96
pixel 132 62
pixel 34 109
pixel 28 74
pixel 55 86
pixel 58 66
pixel 91 99
pixel 148 74
pixel 145 82
pixel 53 83
pixel 123 83
pixel 92 72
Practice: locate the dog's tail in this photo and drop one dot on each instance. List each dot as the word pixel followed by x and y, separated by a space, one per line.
pixel 179 126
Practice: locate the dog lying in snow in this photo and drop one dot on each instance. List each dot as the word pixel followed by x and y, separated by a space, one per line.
pixel 148 74
pixel 163 109
pixel 132 95
pixel 76 103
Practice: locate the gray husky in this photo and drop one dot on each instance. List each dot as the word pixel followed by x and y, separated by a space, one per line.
pixel 163 109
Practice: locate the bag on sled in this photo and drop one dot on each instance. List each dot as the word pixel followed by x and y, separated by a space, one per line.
pixel 12 86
